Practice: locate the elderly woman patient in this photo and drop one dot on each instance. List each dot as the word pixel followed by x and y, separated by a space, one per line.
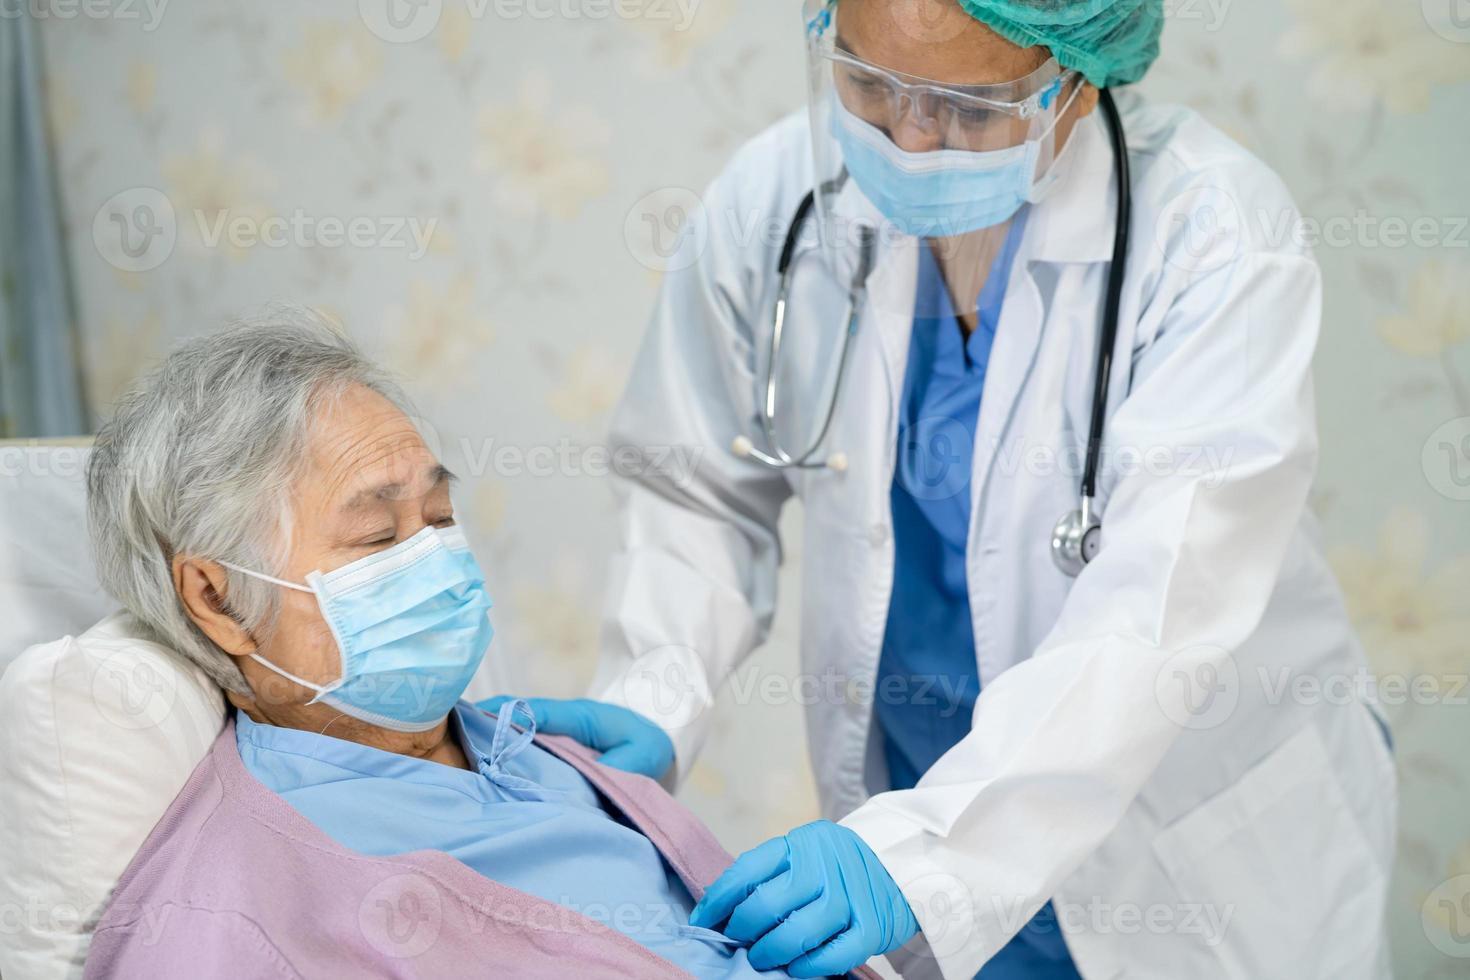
pixel 263 503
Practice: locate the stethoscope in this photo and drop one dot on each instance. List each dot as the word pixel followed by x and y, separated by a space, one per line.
pixel 857 297
pixel 1077 537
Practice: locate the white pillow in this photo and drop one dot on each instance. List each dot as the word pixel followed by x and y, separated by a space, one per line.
pixel 98 733
pixel 48 587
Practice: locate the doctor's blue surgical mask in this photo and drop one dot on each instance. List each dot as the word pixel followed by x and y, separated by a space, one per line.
pixel 411 624
pixel 938 193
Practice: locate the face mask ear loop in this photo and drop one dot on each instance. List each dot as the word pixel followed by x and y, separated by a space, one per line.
pixel 321 691
pixel 310 686
pixel 1040 185
pixel 1062 110
pixel 267 578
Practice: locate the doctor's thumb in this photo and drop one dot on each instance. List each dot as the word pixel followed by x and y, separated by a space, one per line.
pixel 646 759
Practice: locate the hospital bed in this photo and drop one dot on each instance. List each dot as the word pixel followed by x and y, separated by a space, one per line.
pixel 98 728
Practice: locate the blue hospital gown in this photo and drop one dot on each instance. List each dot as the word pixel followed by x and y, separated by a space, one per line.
pixel 523 818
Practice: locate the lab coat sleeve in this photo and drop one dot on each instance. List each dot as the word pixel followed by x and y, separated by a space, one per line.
pixel 1063 742
pixel 693 587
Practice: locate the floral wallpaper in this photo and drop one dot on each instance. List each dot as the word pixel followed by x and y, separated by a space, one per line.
pixel 476 189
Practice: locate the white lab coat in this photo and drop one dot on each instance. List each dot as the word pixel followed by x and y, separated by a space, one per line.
pixel 1246 836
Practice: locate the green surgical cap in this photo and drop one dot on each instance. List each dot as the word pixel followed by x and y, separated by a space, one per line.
pixel 1111 42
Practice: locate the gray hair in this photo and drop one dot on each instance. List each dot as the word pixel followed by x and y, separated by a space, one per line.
pixel 199 458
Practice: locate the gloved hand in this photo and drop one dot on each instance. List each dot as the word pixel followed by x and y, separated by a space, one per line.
pixel 817 899
pixel 626 739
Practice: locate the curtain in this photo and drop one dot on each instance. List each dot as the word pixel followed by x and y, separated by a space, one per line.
pixel 40 379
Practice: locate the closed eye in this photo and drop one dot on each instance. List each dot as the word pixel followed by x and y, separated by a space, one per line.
pixel 385 538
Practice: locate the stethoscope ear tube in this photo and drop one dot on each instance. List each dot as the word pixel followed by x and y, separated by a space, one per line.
pixel 779 458
pixel 793 231
pixel 1077 537
pixel 1117 273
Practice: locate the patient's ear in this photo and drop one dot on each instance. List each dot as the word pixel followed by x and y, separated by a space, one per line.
pixel 201 585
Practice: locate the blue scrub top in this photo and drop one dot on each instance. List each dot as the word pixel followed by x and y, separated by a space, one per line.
pixel 928 678
pixel 521 817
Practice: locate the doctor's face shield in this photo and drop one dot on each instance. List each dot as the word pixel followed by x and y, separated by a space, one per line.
pixel 918 156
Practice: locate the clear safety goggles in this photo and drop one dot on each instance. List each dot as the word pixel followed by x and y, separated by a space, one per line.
pixel 947 117
pixel 919 115
pixel 956 117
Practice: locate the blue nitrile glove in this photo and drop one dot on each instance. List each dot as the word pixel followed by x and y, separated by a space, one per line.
pixel 626 739
pixel 817 899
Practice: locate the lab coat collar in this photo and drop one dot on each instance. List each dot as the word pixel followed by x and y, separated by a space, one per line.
pixel 1074 222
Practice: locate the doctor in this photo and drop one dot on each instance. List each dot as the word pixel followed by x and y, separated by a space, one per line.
pixel 1134 750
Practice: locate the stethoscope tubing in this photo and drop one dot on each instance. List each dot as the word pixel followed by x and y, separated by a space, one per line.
pixel 1112 303
pixel 1117 273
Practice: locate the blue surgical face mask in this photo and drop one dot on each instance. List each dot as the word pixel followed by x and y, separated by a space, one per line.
pixel 938 193
pixel 411 626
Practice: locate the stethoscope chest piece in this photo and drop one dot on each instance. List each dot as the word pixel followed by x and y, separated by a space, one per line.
pixel 1076 539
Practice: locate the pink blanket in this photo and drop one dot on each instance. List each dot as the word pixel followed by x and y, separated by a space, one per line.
pixel 233 882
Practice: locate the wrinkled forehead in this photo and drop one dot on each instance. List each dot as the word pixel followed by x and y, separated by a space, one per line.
pixel 932 39
pixel 362 450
